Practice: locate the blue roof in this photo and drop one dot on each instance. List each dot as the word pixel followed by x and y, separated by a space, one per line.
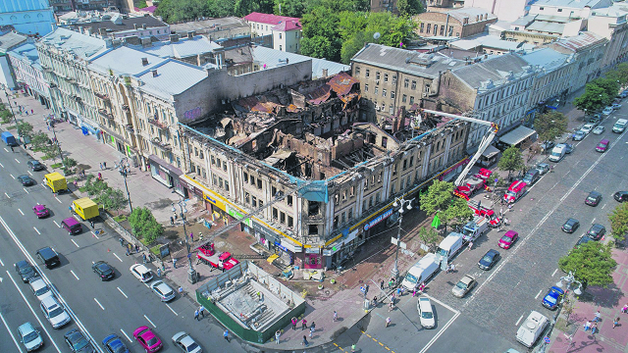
pixel 547 58
pixel 23 5
pixel 26 51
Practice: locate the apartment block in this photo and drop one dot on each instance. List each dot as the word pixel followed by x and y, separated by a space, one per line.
pixel 285 31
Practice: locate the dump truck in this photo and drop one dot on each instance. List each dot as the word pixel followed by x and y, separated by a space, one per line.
pixel 85 208
pixel 56 182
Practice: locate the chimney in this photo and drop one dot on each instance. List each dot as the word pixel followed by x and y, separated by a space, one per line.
pixel 102 32
pixel 191 34
pixel 135 26
pixel 144 61
pixel 154 73
pixel 287 60
pixel 143 25
pixel 325 73
pixel 174 38
pixel 146 42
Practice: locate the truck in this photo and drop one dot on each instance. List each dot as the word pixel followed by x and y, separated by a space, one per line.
pixel 488 213
pixel 450 246
pixel 56 182
pixel 85 208
pixel 516 190
pixel 470 187
pixel 421 271
pixel 532 328
pixel 9 139
pixel 474 229
pixel 207 254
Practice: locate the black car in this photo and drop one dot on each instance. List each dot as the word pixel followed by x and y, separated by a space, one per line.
pixel 593 199
pixel 596 232
pixel 35 165
pixel 103 270
pixel 488 260
pixel 583 240
pixel 621 196
pixel 547 146
pixel 570 226
pixel 26 180
pixel 568 148
pixel 77 342
pixel 48 256
pixel 26 271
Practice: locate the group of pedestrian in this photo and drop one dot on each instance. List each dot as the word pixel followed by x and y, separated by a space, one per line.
pixel 199 313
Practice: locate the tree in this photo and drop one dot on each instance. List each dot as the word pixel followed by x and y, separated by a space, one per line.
pixel 511 160
pixel 591 100
pixel 458 212
pixel 242 8
pixel 438 197
pixel 429 236
pixel 619 222
pixel 290 8
pixel 94 187
pixel 321 47
pixel 610 87
pixel 112 199
pixel 25 129
pixel 591 263
pixel 6 116
pixel 408 8
pixel 550 125
pixel 39 141
pixel 619 74
pixel 144 224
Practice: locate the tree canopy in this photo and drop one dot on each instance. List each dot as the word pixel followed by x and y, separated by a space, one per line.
pixel 591 264
pixel 511 160
pixel 619 222
pixel 458 212
pixel 409 8
pixel 438 197
pixel 144 224
pixel 597 94
pixel 550 125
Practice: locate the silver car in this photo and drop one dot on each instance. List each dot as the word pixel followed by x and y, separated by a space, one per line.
pixel 463 286
pixel 54 312
pixel 186 343
pixel 29 337
pixel 40 289
pixel 164 291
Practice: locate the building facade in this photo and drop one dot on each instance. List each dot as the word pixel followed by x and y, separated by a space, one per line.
pixel 505 10
pixel 611 24
pixel 30 17
pixel 29 73
pixel 459 23
pixel 588 49
pixel 286 31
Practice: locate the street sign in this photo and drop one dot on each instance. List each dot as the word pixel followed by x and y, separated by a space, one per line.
pixel 363 289
pixel 546 339
pixel 393 240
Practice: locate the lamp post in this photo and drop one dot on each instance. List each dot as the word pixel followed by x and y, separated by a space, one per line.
pixel 183 210
pixel 569 280
pixel 399 202
pixel 54 133
pixel 124 173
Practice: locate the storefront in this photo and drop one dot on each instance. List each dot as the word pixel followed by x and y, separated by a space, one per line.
pixel 454 170
pixel 166 174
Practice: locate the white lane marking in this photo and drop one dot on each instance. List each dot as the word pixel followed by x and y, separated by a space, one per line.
pixel 120 290
pixel 11 333
pixel 125 335
pixel 172 310
pixel 17 161
pixel 117 257
pixel 437 336
pixel 537 295
pixel 58 199
pixel 57 224
pixel 1 263
pixel 441 303
pixel 12 176
pixel 593 221
pixel 554 273
pixel 6 150
pixel 146 317
pixel 604 205
pixel 94 235
pixel 45 278
pixel 518 321
pixel 1 165
pixel 74 274
pixel 33 312
pixel 37 230
pixel 100 305
pixel 29 172
pixel 20 211
pixel 7 195
pixel 75 243
pixel 26 191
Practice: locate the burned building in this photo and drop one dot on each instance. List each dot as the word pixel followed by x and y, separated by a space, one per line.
pixel 315 178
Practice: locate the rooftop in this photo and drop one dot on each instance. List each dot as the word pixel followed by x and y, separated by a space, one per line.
pixel 125 61
pixel 111 21
pixel 211 25
pixel 182 48
pixel 172 78
pixel 546 27
pixel 270 58
pixel 546 58
pixel 281 22
pixel 490 41
pixel 578 43
pixel 474 14
pixel 82 45
pixel 578 4
pixel 9 40
pixel 26 52
pixel 494 70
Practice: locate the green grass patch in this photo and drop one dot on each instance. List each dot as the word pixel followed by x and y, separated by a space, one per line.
pixel 146 243
pixel 155 250
pixel 56 165
pixel 120 218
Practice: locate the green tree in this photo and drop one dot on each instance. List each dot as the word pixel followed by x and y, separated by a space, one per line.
pixel 39 141
pixel 144 224
pixel 290 8
pixel 620 74
pixel 112 199
pixel 321 47
pixel 94 187
pixel 610 86
pixel 6 116
pixel 25 129
pixel 437 197
pixel 429 236
pixel 173 11
pixel 591 263
pixel 619 222
pixel 220 8
pixel 458 212
pixel 550 125
pixel 242 8
pixel 511 160
pixel 409 8
pixel 595 97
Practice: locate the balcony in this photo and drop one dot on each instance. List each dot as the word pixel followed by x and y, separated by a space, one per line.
pixel 125 108
pixel 159 124
pixel 102 96
pixel 164 146
pixel 105 114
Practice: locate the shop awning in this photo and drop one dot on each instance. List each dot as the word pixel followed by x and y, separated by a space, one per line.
pixel 165 164
pixel 490 152
pixel 517 135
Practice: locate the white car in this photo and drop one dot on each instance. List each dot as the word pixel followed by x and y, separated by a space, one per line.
pixel 164 291
pixel 607 111
pixel 29 337
pixel 54 312
pixel 426 313
pixel 186 343
pixel 40 289
pixel 587 128
pixel 598 130
pixel 141 272
pixel 616 105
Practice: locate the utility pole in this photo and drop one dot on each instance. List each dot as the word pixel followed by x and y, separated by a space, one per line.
pixel 399 202
pixel 123 172
pixel 192 277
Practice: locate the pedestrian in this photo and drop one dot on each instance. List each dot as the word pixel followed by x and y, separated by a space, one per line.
pixel 32 111
pixel 174 263
pixel 158 272
pixel 201 312
pixel 70 208
pixel 470 245
pixel 104 165
pixel 127 252
pixel 616 322
pixel 171 221
pixel 277 335
pixel 100 166
pixel 381 284
pixel 137 248
pixel 293 321
pixel 388 321
pixel 99 176
pixel 624 310
pixel 305 342
pixel 353 348
pixel 594 328
pixel 374 302
pixel 192 236
pixel 598 316
pixel 414 292
pixel 196 314
pixel 335 316
pixel 399 291
pixel 391 306
pixel 226 335
pixel 587 326
pixel 312 330
pixel 12 150
pixel 303 324
pixel 91 223
pixel 175 216
pixel 421 287
pixel 163 268
pixel 392 298
pixel 144 258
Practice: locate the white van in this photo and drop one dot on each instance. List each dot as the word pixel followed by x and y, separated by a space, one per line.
pixel 532 328
pixel 450 246
pixel 558 153
pixel 421 271
pixel 620 126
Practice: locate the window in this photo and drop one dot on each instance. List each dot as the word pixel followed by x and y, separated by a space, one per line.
pixel 220 182
pixel 343 218
pixel 413 85
pixel 282 218
pixel 383 108
pixel 411 99
pixel 442 30
pixel 541 8
pixel 384 92
pixel 385 77
pixel 247 197
pixel 384 141
pixel 421 28
pixel 366 87
pixel 275 213
pixel 405 164
pixel 259 183
pixel 280 48
pixel 224 166
pixel 368 72
pixel 406 83
pixel 376 90
pixel 357 70
pixel 377 75
pixel 279 35
pixel 246 178
pixel 560 10
pixel 252 180
pixel 289 200
pixel 411 161
pixel 391 109
pixel 404 98
pixel 350 215
pixel 429 27
pixel 213 160
pixel 290 221
pixel 392 94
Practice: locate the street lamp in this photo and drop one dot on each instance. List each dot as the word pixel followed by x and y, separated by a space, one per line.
pixel 399 202
pixel 183 210
pixel 54 133
pixel 569 280
pixel 124 173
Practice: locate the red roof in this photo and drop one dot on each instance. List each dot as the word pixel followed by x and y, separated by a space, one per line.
pixel 281 23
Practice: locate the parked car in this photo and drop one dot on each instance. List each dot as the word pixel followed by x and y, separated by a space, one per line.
pixel 29 337
pixel 568 148
pixel 147 339
pixel 602 146
pixel 543 168
pixel 26 180
pixel 597 231
pixel 25 270
pixel 595 119
pixel 426 312
pixel 113 344
pixel 463 286
pixel 186 343
pixel 104 271
pixel 508 239
pixel 587 128
pixel 141 272
pixel 532 176
pixel 570 226
pixel 616 106
pixel 598 130
pixel 40 288
pixel 77 342
pixel 41 211
pixel 579 135
pixel 583 240
pixel 35 165
pixel 547 146
pixel 552 299
pixel 163 290
pixel 488 260
pixel 621 196
pixel 54 312
pixel 593 199
pixel 607 111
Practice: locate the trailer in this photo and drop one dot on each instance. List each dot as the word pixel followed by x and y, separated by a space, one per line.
pixel 223 261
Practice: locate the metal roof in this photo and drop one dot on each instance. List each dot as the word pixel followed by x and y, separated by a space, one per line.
pixel 517 135
pixel 182 48
pixel 579 4
pixel 26 52
pixel 82 45
pixel 495 70
pixel 125 61
pixel 546 27
pixel 9 40
pixel 274 58
pixel 173 77
pixel 547 58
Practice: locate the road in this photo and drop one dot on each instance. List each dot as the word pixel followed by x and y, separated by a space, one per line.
pixel 100 308
pixel 490 315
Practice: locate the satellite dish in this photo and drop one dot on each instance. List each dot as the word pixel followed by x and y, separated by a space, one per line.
pixel 376 35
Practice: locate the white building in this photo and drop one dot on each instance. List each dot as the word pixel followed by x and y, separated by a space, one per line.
pixel 286 31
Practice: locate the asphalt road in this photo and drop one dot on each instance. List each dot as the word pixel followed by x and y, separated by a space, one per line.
pixel 100 308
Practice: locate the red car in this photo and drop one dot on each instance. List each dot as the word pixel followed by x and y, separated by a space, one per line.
pixel 508 239
pixel 41 211
pixel 147 339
